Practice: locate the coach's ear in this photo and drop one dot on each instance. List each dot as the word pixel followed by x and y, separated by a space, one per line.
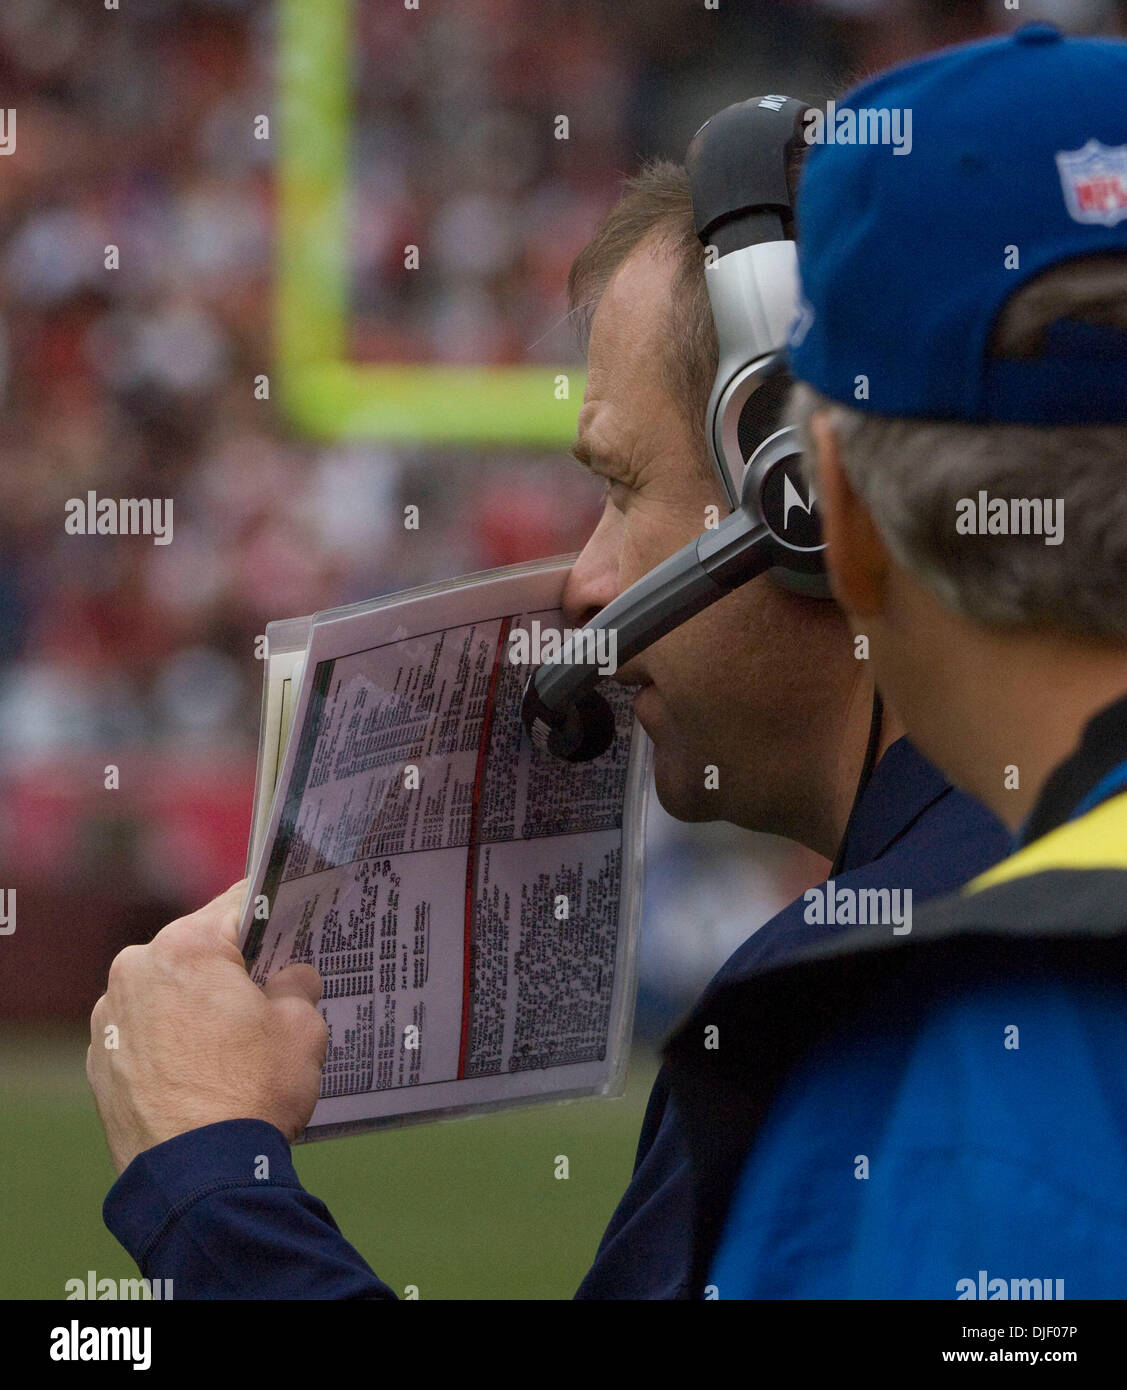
pixel 855 553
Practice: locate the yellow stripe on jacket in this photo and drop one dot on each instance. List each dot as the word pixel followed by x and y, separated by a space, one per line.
pixel 1097 840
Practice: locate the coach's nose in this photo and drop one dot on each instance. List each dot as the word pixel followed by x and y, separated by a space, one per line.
pixel 593 581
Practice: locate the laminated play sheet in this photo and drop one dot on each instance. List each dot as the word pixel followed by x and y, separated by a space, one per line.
pixel 470 901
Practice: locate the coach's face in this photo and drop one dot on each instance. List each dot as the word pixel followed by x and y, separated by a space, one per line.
pixel 731 688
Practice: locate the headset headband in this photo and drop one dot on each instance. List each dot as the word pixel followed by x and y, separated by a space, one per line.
pixel 738 164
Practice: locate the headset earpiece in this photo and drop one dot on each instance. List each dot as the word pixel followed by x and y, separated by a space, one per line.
pixel 738 166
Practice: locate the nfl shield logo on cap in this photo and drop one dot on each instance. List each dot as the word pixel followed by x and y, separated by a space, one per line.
pixel 1094 179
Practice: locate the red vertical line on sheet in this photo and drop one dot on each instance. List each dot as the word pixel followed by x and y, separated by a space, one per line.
pixel 471 851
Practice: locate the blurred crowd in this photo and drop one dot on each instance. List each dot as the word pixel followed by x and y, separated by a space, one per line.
pixel 136 131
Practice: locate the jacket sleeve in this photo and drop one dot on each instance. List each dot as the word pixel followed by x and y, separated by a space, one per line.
pixel 220 1211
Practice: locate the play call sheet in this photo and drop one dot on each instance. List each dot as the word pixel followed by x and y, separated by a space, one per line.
pixel 458 891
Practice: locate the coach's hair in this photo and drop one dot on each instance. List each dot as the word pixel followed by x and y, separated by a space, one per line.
pixel 912 473
pixel 657 203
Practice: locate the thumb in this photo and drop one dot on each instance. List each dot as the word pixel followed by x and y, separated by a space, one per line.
pixel 299 981
pixel 227 909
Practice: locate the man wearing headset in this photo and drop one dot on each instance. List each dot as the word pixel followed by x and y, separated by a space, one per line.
pixel 941 1115
pixel 766 688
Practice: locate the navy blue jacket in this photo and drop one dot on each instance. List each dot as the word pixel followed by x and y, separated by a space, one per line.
pixel 193 1210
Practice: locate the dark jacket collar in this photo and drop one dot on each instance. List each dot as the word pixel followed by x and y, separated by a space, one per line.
pixel 903 785
pixel 1102 747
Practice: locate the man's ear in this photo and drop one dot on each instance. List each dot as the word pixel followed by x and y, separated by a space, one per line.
pixel 855 553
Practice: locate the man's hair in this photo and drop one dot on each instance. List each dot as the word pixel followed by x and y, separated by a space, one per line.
pixel 912 474
pixel 658 201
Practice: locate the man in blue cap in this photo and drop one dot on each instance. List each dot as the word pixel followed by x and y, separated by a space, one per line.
pixel 942 1114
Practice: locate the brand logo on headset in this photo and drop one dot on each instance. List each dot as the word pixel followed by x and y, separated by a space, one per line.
pixel 792 498
pixel 794 520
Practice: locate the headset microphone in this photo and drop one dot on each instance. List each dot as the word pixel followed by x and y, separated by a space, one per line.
pixel 738 165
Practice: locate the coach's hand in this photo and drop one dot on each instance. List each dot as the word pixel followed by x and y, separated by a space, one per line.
pixel 183 1037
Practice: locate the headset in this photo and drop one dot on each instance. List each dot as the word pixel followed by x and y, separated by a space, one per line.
pixel 738 165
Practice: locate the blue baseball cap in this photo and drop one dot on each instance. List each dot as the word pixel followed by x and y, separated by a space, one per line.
pixel 1000 159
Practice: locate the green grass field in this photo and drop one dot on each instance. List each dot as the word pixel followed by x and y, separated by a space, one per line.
pixel 465 1209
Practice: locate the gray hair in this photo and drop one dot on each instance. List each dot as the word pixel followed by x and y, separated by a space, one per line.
pixel 912 474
